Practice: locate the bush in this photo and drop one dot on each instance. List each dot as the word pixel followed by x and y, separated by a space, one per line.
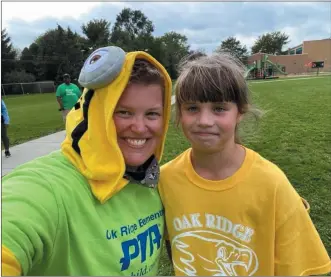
pixel 18 77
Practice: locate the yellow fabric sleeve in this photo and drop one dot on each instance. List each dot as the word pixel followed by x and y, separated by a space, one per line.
pixel 10 265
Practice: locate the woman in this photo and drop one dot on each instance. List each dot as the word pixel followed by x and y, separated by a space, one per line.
pixel 93 207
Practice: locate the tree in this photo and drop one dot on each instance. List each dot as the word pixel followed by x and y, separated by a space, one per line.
pixel 97 33
pixel 8 54
pixel 174 48
pixel 132 30
pixel 156 49
pixel 58 51
pixel 235 48
pixel 270 43
pixel 27 61
pixel 18 76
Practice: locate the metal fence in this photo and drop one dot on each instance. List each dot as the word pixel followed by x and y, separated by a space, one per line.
pixel 27 88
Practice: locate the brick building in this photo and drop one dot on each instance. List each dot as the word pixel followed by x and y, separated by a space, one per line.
pixel 298 57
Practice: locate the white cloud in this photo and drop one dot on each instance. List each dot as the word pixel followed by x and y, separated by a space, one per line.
pixel 294 34
pixel 31 11
pixel 246 40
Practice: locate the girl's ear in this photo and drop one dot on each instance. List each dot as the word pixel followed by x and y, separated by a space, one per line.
pixel 239 117
pixel 241 113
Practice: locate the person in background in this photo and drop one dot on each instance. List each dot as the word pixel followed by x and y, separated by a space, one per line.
pixel 4 127
pixel 67 95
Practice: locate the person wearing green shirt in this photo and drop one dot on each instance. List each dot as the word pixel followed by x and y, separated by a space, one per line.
pixel 67 95
pixel 93 207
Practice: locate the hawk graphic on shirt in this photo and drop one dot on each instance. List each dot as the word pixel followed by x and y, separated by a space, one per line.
pixel 213 254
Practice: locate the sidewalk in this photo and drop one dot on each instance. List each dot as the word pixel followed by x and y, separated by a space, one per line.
pixel 30 150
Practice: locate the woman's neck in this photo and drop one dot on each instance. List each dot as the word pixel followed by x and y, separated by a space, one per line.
pixel 131 168
pixel 218 165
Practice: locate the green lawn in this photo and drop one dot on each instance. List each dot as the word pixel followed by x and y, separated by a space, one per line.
pixel 32 116
pixel 294 133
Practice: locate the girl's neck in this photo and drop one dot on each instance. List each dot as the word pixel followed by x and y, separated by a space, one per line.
pixel 218 165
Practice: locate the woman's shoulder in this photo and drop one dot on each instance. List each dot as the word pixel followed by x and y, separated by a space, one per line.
pixel 53 173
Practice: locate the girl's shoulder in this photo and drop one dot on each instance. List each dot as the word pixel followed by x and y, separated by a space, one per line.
pixel 267 168
pixel 176 163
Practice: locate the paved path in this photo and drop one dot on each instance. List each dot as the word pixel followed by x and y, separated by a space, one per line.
pixel 30 150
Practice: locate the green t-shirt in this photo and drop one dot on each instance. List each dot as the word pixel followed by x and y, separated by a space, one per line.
pixel 69 94
pixel 54 225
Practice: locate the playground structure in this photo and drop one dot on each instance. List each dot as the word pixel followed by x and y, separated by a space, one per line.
pixel 264 69
pixel 314 65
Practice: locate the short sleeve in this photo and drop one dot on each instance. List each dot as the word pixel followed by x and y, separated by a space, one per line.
pixel 4 112
pixel 298 247
pixel 78 92
pixel 59 91
pixel 29 216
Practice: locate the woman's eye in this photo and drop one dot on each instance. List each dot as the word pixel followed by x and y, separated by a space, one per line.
pixel 153 114
pixel 124 113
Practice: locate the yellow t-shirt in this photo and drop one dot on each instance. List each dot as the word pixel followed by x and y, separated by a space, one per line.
pixel 252 223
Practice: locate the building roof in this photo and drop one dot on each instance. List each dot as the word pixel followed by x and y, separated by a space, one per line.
pixel 317 39
pixel 295 47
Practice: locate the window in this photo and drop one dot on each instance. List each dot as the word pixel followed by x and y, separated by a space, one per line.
pixel 298 50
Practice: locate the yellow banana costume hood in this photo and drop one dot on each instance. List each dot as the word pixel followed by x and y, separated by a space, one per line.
pixel 91 139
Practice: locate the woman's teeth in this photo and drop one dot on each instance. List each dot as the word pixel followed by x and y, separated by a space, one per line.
pixel 136 142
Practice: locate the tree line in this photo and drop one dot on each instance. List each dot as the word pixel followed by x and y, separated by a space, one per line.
pixel 61 50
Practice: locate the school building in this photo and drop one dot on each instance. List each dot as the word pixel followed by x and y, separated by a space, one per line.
pixel 298 58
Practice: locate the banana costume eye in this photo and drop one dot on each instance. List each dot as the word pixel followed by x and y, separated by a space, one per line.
pixel 101 67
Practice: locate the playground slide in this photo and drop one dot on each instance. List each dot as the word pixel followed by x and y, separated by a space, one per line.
pixel 249 70
pixel 277 68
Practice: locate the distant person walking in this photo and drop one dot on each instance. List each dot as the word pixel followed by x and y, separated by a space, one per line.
pixel 4 127
pixel 67 95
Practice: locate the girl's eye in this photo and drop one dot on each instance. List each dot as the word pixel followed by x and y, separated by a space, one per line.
pixel 219 109
pixel 192 108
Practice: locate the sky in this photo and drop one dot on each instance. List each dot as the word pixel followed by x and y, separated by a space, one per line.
pixel 205 24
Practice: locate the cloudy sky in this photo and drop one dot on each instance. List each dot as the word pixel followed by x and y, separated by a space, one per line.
pixel 205 24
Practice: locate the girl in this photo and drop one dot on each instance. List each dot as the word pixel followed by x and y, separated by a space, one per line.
pixel 229 211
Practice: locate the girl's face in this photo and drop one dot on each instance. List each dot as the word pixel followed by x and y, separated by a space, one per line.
pixel 210 127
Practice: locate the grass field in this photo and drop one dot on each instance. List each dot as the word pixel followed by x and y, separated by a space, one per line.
pixel 294 133
pixel 32 116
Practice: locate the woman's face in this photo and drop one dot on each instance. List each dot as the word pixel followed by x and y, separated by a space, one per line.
pixel 139 122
